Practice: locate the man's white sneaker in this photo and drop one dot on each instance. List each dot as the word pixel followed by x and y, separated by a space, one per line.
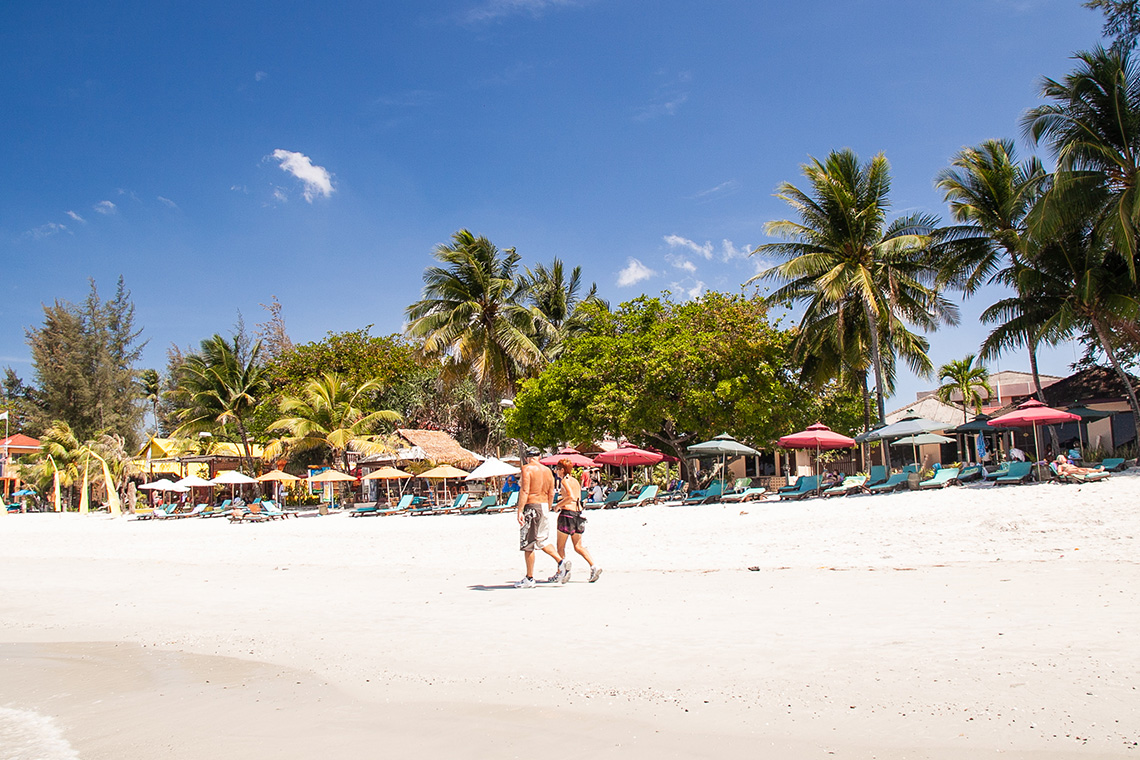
pixel 564 571
pixel 595 573
pixel 525 583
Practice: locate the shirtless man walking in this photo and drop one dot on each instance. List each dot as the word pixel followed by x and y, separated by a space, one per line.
pixel 536 494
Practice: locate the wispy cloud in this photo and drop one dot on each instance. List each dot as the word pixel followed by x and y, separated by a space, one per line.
pixel 407 99
pixel 668 98
pixel 106 208
pixel 167 202
pixel 704 250
pixel 728 251
pixel 720 191
pixel 76 217
pixel 279 195
pixel 46 230
pixel 633 273
pixel 260 76
pixel 493 10
pixel 316 179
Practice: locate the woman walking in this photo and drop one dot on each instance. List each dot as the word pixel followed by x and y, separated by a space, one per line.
pixel 571 523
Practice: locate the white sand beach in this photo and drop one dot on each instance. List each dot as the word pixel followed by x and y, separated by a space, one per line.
pixel 961 623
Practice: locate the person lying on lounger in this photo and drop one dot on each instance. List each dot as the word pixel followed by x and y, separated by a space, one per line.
pixel 1065 467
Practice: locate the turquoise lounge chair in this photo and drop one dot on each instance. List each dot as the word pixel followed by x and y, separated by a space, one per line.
pixel 712 493
pixel 1075 477
pixel 1019 472
pixel 878 475
pixel 458 503
pixel 893 483
pixel 941 479
pixel 851 484
pixel 748 494
pixel 970 472
pixel 793 487
pixel 612 500
pixel 648 494
pixel 1001 471
pixel 808 484
pixel 484 504
pixel 1116 464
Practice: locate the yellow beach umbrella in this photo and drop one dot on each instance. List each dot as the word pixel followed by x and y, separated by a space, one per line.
pixel 331 476
pixel 387 473
pixel 444 472
pixel 277 477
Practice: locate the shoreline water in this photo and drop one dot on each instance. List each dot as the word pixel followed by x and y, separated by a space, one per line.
pixel 928 625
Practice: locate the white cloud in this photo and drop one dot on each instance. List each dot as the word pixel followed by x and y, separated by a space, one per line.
pixel 77 217
pixel 491 10
pixel 104 207
pixel 280 196
pixel 45 230
pixel 668 98
pixel 316 179
pixel 690 288
pixel 682 263
pixel 676 241
pixel 259 76
pixel 729 251
pixel 633 273
pixel 240 189
pixel 167 202
pixel 695 291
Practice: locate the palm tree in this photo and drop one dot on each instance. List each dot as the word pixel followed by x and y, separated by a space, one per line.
pixel 1093 128
pixel 992 195
pixel 150 387
pixel 843 251
pixel 557 301
pixel 967 381
pixel 221 389
pixel 472 313
pixel 330 413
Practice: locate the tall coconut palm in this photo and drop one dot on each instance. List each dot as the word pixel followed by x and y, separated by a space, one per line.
pixel 150 388
pixel 557 300
pixel 473 315
pixel 221 390
pixel 330 414
pixel 992 195
pixel 966 381
pixel 843 251
pixel 1092 127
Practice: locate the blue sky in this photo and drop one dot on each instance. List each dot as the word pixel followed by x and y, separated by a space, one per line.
pixel 218 154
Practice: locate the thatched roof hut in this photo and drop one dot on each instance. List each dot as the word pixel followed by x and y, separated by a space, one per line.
pixel 439 447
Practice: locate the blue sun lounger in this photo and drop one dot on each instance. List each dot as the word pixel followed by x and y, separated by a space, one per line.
pixel 941 479
pixel 808 484
pixel 648 494
pixel 1019 472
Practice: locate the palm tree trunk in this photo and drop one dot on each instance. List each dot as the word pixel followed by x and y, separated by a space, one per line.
pixel 248 459
pixel 1102 333
pixel 1033 368
pixel 877 356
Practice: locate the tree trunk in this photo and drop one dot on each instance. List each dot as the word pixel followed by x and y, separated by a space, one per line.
pixel 865 446
pixel 1033 368
pixel 1108 350
pixel 877 356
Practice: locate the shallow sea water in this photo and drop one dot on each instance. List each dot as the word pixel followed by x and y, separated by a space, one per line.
pixel 27 735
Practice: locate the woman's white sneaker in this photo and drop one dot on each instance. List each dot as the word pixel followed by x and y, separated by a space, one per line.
pixel 595 573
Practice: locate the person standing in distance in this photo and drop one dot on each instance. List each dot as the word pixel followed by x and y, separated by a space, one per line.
pixel 536 494
pixel 571 523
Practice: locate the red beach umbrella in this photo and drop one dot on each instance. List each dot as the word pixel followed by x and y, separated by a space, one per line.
pixel 628 456
pixel 818 437
pixel 576 459
pixel 1031 414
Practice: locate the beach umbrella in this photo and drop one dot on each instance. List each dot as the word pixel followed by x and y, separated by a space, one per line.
pixel 628 456
pixel 233 479
pixel 818 437
pixel 193 481
pixel 444 472
pixel 493 468
pixel 277 477
pixel 330 476
pixel 1031 414
pixel 162 484
pixel 725 446
pixel 388 473
pixel 914 441
pixel 912 424
pixel 576 459
pixel 1087 415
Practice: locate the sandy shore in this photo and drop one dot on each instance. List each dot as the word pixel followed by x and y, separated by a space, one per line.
pixel 951 624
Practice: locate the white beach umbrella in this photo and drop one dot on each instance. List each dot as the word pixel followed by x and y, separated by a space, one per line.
pixel 232 478
pixel 492 468
pixel 161 484
pixel 193 481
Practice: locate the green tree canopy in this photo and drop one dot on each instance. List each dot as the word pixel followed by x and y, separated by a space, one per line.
pixel 669 375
